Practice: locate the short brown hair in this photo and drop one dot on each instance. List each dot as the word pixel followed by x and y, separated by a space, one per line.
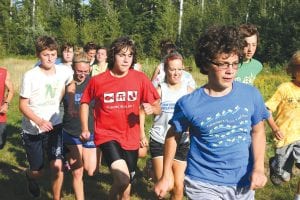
pixel 294 64
pixel 45 42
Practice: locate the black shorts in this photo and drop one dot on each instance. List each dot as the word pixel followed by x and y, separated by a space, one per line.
pixel 157 150
pixel 36 145
pixel 112 151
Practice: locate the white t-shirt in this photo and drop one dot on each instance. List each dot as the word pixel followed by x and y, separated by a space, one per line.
pixel 44 93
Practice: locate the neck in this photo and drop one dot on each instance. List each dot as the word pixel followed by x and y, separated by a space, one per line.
pixel 48 71
pixel 118 74
pixel 174 86
pixel 216 91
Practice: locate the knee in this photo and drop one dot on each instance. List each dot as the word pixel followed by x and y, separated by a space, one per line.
pixel 123 182
pixel 57 166
pixel 78 174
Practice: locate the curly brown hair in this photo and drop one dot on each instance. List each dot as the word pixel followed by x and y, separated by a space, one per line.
pixel 215 41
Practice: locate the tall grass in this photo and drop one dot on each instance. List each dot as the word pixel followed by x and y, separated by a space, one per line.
pixel 13 160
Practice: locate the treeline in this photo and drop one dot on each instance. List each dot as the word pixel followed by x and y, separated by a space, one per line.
pixel 147 22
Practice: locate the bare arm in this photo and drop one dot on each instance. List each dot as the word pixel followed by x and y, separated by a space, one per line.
pixel 161 187
pixel 153 108
pixel 43 125
pixel 275 129
pixel 155 73
pixel 9 95
pixel 84 118
pixel 258 177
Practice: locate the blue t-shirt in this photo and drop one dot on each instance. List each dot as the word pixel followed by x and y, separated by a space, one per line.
pixel 220 150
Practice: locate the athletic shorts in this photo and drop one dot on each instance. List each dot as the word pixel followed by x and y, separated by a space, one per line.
pixel 49 142
pixel 157 150
pixel 3 134
pixel 69 139
pixel 112 151
pixel 205 191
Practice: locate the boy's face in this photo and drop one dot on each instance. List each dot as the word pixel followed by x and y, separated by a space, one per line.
pixel 222 71
pixel 101 55
pixel 81 70
pixel 91 54
pixel 47 58
pixel 250 48
pixel 68 54
pixel 123 61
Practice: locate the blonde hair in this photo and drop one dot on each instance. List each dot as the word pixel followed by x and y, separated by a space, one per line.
pixel 81 56
pixel 294 64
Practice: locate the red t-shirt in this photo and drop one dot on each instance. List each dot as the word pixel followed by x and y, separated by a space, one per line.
pixel 117 102
pixel 2 92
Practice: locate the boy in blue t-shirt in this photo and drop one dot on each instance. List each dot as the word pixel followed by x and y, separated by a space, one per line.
pixel 225 121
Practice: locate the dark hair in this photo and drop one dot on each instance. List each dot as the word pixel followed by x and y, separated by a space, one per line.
pixel 166 46
pixel 215 41
pixel 65 46
pixel 248 30
pixel 117 46
pixel 45 42
pixel 89 46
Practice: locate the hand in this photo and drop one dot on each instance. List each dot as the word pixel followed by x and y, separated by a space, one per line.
pixel 148 108
pixel 278 134
pixel 45 126
pixel 144 142
pixel 4 108
pixel 161 188
pixel 258 180
pixel 85 136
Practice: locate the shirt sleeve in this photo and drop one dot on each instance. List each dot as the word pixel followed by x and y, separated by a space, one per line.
pixel 25 89
pixel 149 94
pixel 179 121
pixel 274 101
pixel 88 93
pixel 260 110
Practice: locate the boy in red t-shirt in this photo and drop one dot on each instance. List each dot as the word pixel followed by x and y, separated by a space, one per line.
pixel 118 94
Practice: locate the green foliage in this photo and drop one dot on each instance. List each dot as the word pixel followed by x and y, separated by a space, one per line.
pixel 69 30
pixel 148 22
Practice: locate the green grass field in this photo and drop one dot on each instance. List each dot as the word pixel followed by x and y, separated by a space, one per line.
pixel 13 160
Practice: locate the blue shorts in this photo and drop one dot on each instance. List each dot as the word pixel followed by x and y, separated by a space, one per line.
pixel 69 139
pixel 35 146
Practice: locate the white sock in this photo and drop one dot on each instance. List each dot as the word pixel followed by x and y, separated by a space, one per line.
pixel 297 197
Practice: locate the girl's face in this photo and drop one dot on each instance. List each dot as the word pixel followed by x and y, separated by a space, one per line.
pixel 174 71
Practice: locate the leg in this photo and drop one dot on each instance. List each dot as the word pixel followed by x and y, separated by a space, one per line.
pixel 75 160
pixel 178 169
pixel 91 156
pixel 3 134
pixel 34 145
pixel 121 181
pixel 90 160
pixel 56 167
pixel 55 157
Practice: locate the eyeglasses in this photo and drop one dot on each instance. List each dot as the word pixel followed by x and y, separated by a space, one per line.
pixel 82 72
pixel 225 65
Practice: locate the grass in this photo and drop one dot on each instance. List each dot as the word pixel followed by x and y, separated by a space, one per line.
pixel 13 160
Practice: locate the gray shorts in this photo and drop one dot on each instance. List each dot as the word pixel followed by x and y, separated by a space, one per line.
pixel 205 191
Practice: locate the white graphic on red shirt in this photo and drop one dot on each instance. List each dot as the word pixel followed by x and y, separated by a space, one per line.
pixel 132 95
pixel 121 96
pixel 108 97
